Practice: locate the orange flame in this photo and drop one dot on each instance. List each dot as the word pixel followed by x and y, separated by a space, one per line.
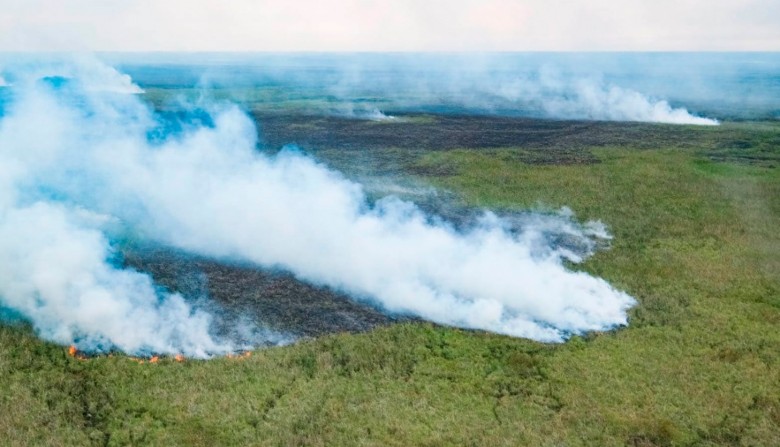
pixel 72 351
pixel 239 355
pixel 178 358
pixel 154 359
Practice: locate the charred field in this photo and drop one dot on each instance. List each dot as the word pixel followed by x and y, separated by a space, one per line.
pixel 392 158
pixel 272 299
pixel 693 211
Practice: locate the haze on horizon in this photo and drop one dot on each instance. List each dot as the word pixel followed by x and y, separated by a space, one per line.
pixel 380 25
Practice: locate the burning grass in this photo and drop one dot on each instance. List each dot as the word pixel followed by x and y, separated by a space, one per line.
pixel 695 242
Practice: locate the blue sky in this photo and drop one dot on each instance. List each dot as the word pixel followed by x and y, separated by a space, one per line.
pixel 389 25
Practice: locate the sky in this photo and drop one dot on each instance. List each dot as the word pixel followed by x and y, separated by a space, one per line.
pixel 390 25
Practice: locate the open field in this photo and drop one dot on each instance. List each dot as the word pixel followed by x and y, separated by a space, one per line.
pixel 694 212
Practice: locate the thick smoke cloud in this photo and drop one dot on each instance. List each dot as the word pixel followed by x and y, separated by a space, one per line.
pixel 81 164
pixel 54 272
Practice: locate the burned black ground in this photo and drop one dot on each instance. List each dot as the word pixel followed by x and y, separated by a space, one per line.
pixel 537 141
pixel 265 298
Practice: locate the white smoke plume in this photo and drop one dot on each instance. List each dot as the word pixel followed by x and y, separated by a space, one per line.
pixel 76 162
pixel 54 272
pixel 377 115
pixel 591 99
pixel 503 87
pixel 552 86
pixel 350 110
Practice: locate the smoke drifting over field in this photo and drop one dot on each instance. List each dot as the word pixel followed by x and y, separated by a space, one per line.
pixel 83 162
pixel 544 93
pixel 594 100
pixel 653 88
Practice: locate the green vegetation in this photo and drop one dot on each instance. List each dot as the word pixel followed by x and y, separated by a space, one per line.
pixel 696 242
pixel 268 99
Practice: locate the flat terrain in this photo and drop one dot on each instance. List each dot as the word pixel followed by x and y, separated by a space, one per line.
pixel 269 299
pixel 694 212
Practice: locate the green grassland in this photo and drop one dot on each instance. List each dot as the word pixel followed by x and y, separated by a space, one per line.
pixel 695 241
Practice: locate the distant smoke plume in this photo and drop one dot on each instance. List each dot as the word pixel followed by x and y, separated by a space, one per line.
pixel 374 115
pixel 553 86
pixel 592 100
pixel 490 87
pixel 81 164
